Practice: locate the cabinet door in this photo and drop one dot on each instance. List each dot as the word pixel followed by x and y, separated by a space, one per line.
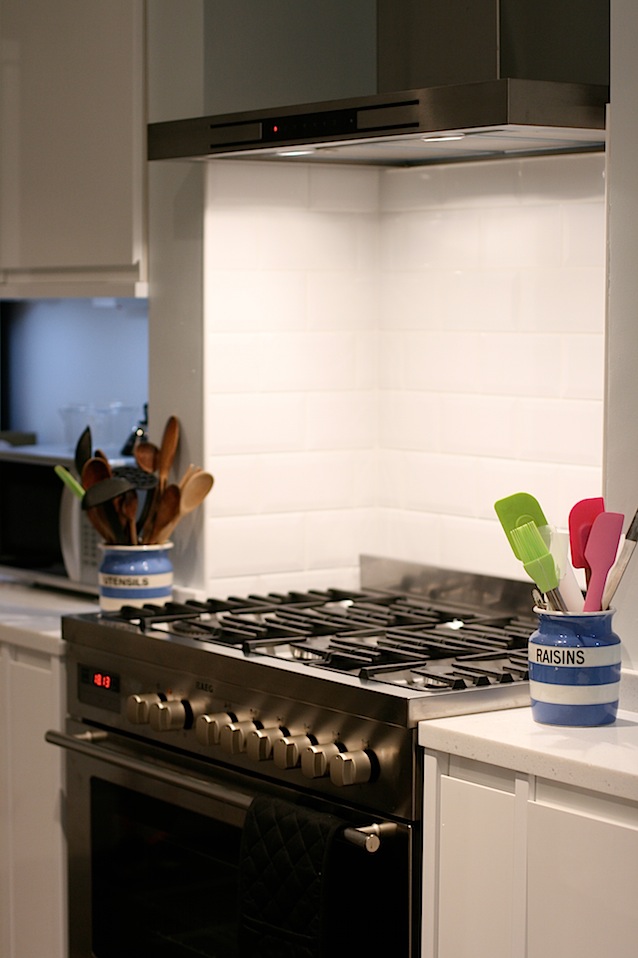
pixel 72 140
pixel 582 881
pixel 32 891
pixel 476 877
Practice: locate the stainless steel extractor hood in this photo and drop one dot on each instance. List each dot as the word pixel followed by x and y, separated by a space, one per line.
pixel 477 120
pixel 496 78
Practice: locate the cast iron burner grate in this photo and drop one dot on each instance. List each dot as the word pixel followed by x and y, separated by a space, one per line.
pixel 377 636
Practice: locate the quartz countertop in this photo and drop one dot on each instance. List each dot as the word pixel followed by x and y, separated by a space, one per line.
pixel 30 615
pixel 602 759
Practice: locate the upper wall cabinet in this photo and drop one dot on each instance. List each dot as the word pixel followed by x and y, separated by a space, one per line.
pixel 72 148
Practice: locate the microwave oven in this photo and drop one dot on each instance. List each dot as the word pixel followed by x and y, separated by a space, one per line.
pixel 45 537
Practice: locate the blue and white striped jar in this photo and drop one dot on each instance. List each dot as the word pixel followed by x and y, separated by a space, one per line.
pixel 574 669
pixel 135 575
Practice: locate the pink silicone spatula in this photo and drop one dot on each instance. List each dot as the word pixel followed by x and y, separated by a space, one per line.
pixel 580 521
pixel 600 553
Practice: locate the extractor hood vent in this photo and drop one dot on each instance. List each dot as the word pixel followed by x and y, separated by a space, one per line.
pixel 490 119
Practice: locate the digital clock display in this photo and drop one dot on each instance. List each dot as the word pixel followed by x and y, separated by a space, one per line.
pixel 103 680
pixel 99 686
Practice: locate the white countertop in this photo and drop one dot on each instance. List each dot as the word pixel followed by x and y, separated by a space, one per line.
pixel 602 759
pixel 30 616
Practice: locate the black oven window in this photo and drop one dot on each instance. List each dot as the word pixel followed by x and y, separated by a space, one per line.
pixel 164 879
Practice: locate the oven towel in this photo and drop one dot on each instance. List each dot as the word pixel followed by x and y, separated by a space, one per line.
pixel 284 904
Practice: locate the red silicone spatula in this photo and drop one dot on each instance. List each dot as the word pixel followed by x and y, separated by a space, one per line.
pixel 600 553
pixel 580 522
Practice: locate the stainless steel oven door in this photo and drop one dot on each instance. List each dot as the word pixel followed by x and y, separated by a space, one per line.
pixel 155 858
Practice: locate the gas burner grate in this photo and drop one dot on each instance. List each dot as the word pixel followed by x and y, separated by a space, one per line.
pixel 381 637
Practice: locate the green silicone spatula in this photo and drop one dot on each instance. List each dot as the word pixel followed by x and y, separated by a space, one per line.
pixel 516 510
pixel 538 562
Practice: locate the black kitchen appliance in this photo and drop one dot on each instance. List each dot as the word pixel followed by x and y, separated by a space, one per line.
pixel 205 740
pixel 455 81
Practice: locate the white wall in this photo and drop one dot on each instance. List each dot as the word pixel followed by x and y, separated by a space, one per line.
pixel 386 353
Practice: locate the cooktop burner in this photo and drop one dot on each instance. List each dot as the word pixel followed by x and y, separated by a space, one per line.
pixel 381 637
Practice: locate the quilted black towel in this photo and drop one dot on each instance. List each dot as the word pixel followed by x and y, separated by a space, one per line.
pixel 284 863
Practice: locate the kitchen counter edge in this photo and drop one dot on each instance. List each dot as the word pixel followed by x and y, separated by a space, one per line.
pixel 601 759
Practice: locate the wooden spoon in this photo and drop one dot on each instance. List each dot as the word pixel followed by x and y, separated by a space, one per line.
pixel 189 472
pixel 94 470
pixel 195 490
pixel 193 493
pixel 129 512
pixel 167 450
pixel 167 513
pixel 146 455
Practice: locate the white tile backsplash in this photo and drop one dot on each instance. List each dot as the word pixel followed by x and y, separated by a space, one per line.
pixel 388 352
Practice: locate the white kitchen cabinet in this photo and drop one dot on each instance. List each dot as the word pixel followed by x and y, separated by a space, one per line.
pixel 582 879
pixel 529 852
pixel 72 153
pixel 32 852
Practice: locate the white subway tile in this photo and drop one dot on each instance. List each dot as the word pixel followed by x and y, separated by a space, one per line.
pixel 240 184
pixel 560 299
pixel 234 362
pixel 311 481
pixel 516 365
pixel 481 426
pixel 342 299
pixel 410 420
pixel 341 188
pixel 557 486
pixel 444 239
pixel 248 545
pixel 232 238
pixel 584 367
pixel 307 361
pixel 520 237
pixel 563 431
pixel 254 423
pixel 250 300
pixel 584 234
pixel 439 483
pixel 557 179
pixel 464 186
pixel 239 485
pixel 415 536
pixel 341 420
pixel 477 546
pixel 339 538
pixel 302 240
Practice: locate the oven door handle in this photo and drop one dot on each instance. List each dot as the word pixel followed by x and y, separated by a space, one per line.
pixel 367 837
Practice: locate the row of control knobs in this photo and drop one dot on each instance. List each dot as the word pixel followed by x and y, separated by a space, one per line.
pixel 236 735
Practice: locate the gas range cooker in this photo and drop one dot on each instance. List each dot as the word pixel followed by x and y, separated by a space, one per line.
pixel 319 691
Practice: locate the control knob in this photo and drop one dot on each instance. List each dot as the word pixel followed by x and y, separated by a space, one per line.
pixel 137 707
pixel 261 742
pixel 287 751
pixel 315 759
pixel 351 768
pixel 232 737
pixel 172 714
pixel 208 727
